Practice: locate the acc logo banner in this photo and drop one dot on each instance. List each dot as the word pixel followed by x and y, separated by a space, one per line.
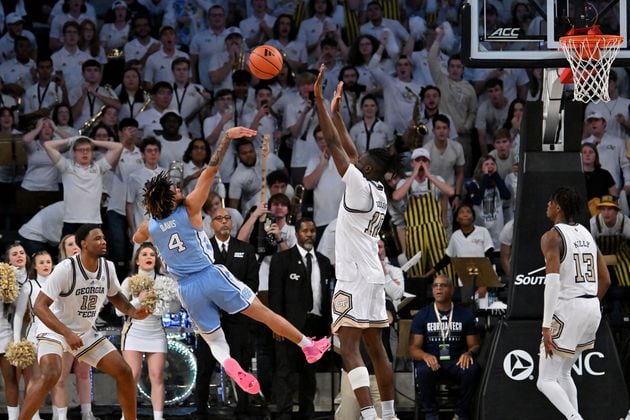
pixel 505 34
pixel 518 365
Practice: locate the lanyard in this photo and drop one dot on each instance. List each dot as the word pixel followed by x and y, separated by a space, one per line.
pixel 368 133
pixel 180 101
pixel 40 96
pixel 444 333
pixel 91 100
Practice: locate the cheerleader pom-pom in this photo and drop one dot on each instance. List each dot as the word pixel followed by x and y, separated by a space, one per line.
pixel 150 300
pixel 8 284
pixel 140 283
pixel 21 354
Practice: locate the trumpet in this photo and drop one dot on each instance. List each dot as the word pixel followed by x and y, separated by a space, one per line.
pixel 89 124
pixel 417 129
pixel 145 104
pixel 115 53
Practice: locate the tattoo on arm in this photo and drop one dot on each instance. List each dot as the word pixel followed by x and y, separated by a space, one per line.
pixel 217 156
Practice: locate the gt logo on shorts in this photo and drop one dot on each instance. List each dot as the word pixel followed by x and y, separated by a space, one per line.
pixel 342 303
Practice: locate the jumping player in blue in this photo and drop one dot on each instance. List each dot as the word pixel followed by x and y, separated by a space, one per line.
pixel 175 227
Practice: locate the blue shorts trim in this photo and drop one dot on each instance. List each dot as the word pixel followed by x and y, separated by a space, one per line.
pixel 205 293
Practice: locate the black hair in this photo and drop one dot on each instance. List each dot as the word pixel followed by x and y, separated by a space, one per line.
pixel 127 122
pixel 329 42
pixel 18 39
pixel 329 8
pixel 569 201
pixel 369 96
pixel 188 153
pixel 158 196
pixel 454 57
pixel 150 141
pixel 242 142
pixel 83 231
pixel 55 113
pixel 65 7
pixel 495 81
pixel 241 76
pixel 344 69
pixel 292 32
pixel 508 121
pixel 44 58
pixel 441 118
pixel 354 55
pixel 110 133
pixel 280 199
pixel 223 92
pixel 70 24
pixel 456 212
pixel 262 86
pixel 382 158
pixel 301 221
pixel 90 63
pixel 161 85
pixel 427 88
pixel 277 176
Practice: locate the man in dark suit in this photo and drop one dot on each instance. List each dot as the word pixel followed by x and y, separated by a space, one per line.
pixel 299 290
pixel 240 258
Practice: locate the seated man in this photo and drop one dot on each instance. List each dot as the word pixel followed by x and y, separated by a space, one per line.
pixel 444 348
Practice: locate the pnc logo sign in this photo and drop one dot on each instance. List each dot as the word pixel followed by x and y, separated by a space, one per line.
pixel 518 365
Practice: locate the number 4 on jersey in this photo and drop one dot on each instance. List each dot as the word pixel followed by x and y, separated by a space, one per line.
pixel 175 242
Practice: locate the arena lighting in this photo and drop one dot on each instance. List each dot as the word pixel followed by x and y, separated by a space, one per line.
pixel 180 361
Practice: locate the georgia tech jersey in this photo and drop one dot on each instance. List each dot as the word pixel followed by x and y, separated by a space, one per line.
pixel 578 262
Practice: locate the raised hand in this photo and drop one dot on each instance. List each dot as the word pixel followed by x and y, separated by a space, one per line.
pixel 335 105
pixel 238 132
pixel 318 86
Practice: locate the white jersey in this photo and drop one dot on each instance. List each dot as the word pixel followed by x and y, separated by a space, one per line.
pixel 361 214
pixel 78 294
pixel 578 263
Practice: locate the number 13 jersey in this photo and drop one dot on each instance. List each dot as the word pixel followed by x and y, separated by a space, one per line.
pixel 361 214
pixel 578 262
pixel 184 248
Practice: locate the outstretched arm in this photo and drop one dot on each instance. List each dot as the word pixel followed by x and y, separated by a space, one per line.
pixel 194 200
pixel 339 155
pixel 344 136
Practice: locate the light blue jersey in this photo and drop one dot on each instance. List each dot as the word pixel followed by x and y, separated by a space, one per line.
pixel 184 248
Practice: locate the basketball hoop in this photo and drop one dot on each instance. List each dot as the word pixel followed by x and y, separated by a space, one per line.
pixel 591 57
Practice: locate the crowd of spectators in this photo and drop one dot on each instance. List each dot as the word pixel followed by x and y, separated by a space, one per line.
pixel 103 96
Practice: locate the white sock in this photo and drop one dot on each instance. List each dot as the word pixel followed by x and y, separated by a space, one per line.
pixel 62 413
pixel 158 415
pixel 305 342
pixel 36 416
pixel 86 408
pixel 218 345
pixel 55 411
pixel 13 412
pixel 368 413
pixel 550 370
pixel 387 408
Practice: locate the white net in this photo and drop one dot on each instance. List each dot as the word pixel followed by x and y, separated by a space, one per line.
pixel 591 57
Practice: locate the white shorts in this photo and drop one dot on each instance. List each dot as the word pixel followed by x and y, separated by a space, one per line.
pixel 135 339
pixel 358 304
pixel 574 325
pixel 95 346
pixel 6 333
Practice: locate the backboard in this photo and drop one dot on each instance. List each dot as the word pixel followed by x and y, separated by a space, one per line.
pixel 526 33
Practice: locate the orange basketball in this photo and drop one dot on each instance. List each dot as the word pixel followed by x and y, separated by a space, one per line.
pixel 265 62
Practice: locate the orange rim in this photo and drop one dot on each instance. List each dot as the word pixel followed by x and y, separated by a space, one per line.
pixel 591 44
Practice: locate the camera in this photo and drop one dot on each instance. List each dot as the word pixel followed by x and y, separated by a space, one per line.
pixel 270 238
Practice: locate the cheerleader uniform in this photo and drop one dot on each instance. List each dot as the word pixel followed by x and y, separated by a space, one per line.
pixel 8 332
pixel 143 335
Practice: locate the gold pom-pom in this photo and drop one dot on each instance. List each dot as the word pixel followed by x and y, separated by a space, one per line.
pixel 21 354
pixel 150 299
pixel 8 284
pixel 139 283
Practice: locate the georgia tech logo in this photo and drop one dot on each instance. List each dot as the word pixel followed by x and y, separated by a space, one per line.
pixel 518 365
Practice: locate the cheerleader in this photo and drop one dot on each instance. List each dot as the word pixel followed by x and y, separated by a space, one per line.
pixel 82 371
pixel 16 257
pixel 147 337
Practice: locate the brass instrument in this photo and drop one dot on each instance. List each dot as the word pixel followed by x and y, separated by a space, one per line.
pixel 115 54
pixel 296 205
pixel 417 130
pixel 87 126
pixel 239 63
pixel 146 103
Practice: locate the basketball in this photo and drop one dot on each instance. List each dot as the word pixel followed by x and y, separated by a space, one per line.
pixel 265 62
